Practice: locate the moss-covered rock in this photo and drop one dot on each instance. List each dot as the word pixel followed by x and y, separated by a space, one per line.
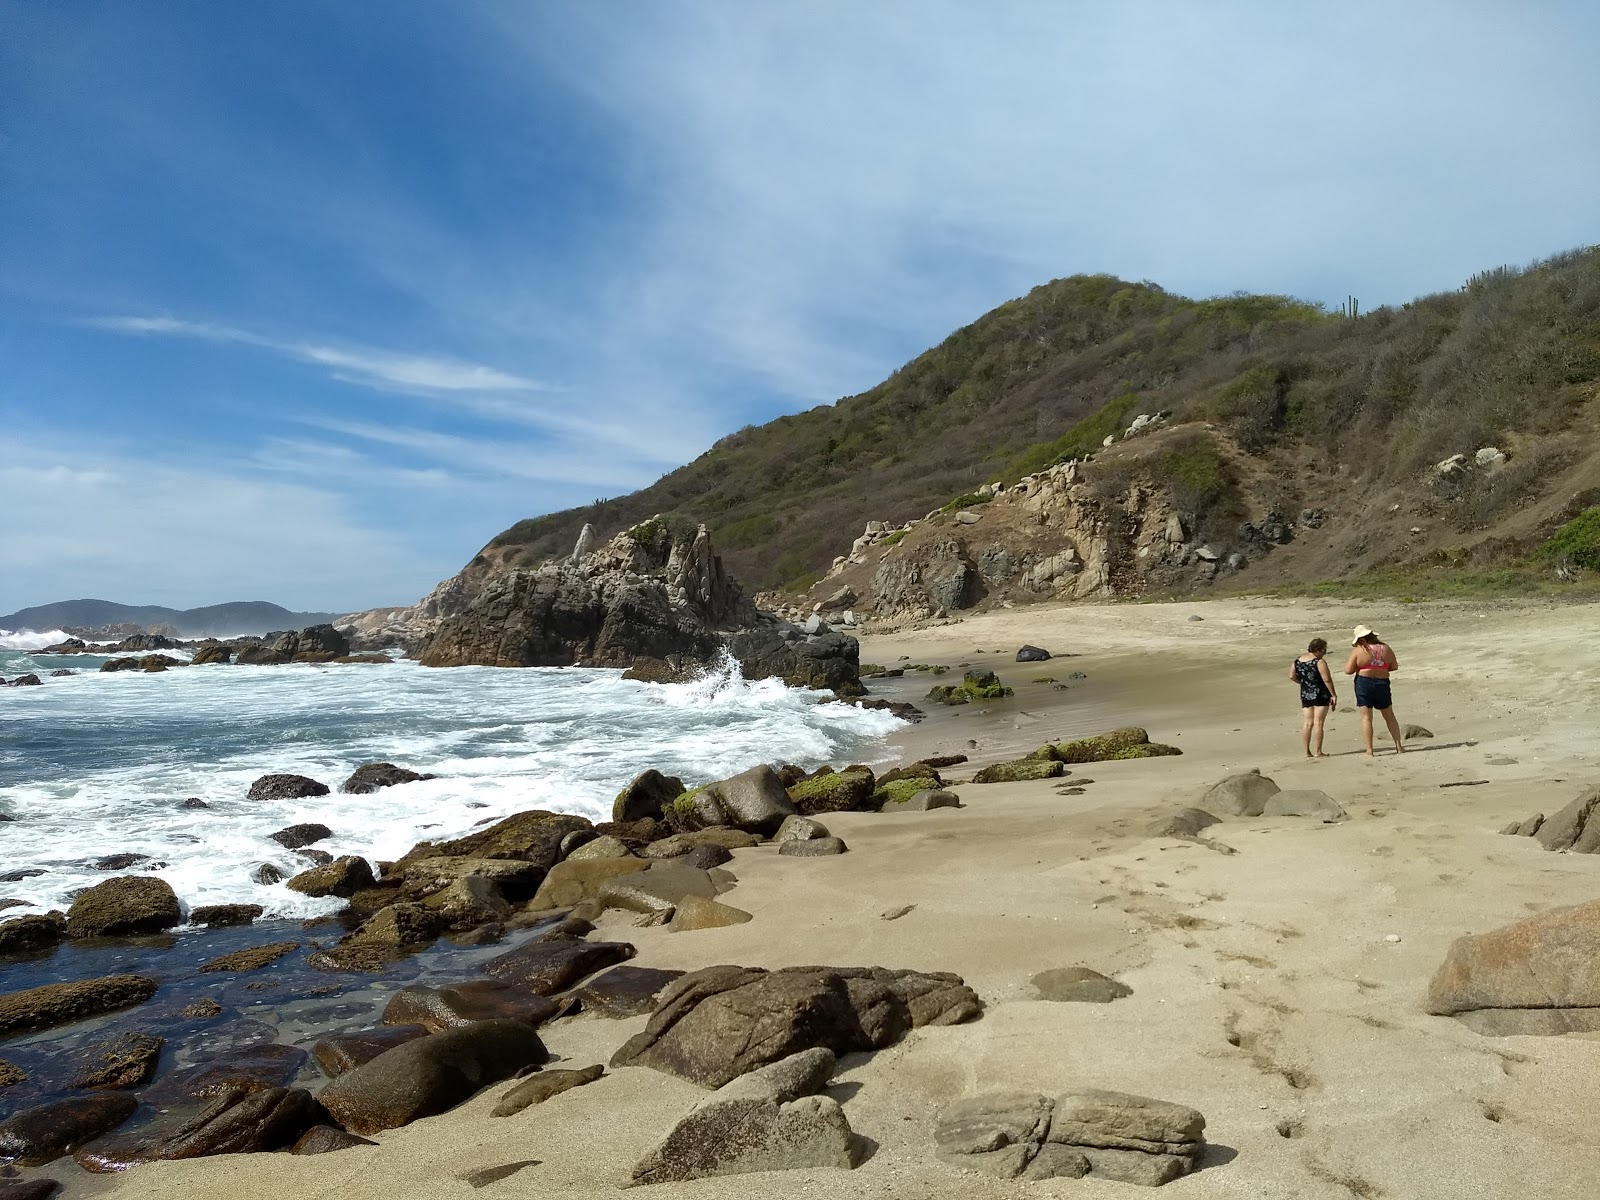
pixel 1129 742
pixel 974 685
pixel 834 791
pixel 1019 770
pixel 899 791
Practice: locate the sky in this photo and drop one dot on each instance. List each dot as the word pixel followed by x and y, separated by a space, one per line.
pixel 304 302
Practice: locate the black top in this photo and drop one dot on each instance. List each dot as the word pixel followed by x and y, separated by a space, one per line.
pixel 1311 685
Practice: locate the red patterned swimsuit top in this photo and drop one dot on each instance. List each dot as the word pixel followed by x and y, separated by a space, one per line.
pixel 1378 654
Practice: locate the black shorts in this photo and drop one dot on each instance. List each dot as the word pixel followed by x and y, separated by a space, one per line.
pixel 1315 702
pixel 1373 693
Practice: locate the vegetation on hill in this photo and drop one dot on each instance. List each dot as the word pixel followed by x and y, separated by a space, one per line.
pixel 1511 357
pixel 236 619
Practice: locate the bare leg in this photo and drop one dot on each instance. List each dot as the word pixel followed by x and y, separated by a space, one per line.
pixel 1366 728
pixel 1394 731
pixel 1316 726
pixel 1305 729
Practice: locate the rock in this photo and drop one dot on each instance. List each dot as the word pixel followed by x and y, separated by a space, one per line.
pixel 1489 456
pixel 646 795
pixel 129 904
pixel 834 791
pixel 125 1060
pixel 40 1188
pixel 1021 770
pixel 1128 742
pixel 1574 826
pixel 216 653
pixel 341 1052
pixel 1303 803
pixel 118 862
pixel 534 836
pixel 719 1022
pixel 251 959
pixel 325 1139
pixel 430 1075
pixel 369 777
pixel 44 1133
pixel 703 857
pixel 452 1006
pixel 812 848
pixel 1415 731
pixel 682 843
pixel 754 801
pixel 1206 554
pixel 1536 976
pixel 469 902
pixel 11 1075
pixel 1110 1134
pixel 295 836
pixel 240 1122
pixel 216 916
pixel 1185 823
pixel 514 878
pixel 266 874
pixel 654 893
pixel 767 1120
pixel 800 829
pixel 551 964
pixel 27 935
pixel 924 800
pixel 538 1088
pixel 285 787
pixel 605 846
pixel 1243 795
pixel 397 926
pixel 1079 984
pixel 1033 654
pixel 696 912
pixel 201 1009
pixel 343 878
pixel 577 880
pixel 251 1068
pixel 623 991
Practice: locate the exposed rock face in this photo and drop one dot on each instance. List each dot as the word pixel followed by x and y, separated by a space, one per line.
pixel 430 1075
pixel 369 777
pixel 1536 976
pixel 1111 1134
pixel 767 1120
pixel 646 599
pixel 129 904
pixel 715 1024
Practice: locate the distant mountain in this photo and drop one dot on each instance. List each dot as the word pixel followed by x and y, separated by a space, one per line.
pixel 237 619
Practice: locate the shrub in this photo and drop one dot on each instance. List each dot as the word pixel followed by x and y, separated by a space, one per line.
pixel 970 500
pixel 1577 542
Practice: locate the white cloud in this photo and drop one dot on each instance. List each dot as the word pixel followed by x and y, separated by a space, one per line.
pixel 370 367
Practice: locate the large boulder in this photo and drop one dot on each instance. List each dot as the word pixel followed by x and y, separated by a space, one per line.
pixel 430 1074
pixel 341 1052
pixel 285 787
pixel 716 1024
pixel 44 1133
pixel 576 880
pixel 62 1003
pixel 369 777
pixel 623 991
pixel 645 796
pixel 1132 1139
pixel 128 904
pixel 1243 795
pixel 242 1122
pixel 554 962
pixel 1573 827
pixel 534 836
pixel 343 877
pixel 834 791
pixel 755 801
pixel 1540 975
pixel 770 1119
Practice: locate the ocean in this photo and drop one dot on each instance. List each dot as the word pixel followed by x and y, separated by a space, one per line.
pixel 98 764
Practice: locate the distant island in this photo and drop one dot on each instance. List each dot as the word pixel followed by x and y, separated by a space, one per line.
pixel 238 618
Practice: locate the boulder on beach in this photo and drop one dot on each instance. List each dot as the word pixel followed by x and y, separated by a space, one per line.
pixel 430 1074
pixel 1540 975
pixel 1243 795
pixel 717 1023
pixel 754 801
pixel 1115 745
pixel 343 877
pixel 646 795
pixel 834 791
pixel 44 1133
pixel 1033 654
pixel 1020 770
pixel 769 1119
pixel 341 1052
pixel 437 1009
pixel 128 904
pixel 538 1088
pixel 1303 802
pixel 534 836
pixel 623 991
pixel 370 777
pixel 1078 985
pixel 1112 1135
pixel 577 880
pixel 235 1121
pixel 1185 823
pixel 823 847
pixel 325 1139
pixel 251 1068
pixel 553 963
pixel 285 787
pixel 1574 827
pixel 697 912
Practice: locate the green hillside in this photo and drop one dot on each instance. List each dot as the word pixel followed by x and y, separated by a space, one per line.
pixel 1512 358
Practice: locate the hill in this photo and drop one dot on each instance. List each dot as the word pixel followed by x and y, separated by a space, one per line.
pixel 236 619
pixel 1322 407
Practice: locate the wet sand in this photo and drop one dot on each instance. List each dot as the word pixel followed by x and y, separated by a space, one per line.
pixel 1265 991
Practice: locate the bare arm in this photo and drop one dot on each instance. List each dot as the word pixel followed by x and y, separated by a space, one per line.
pixel 1394 662
pixel 1353 663
pixel 1292 676
pixel 1327 677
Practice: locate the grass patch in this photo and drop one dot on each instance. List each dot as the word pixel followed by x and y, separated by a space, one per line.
pixel 1577 542
pixel 1080 441
pixel 970 500
pixel 895 538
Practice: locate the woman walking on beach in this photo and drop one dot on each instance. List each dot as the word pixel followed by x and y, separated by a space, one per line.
pixel 1316 693
pixel 1371 662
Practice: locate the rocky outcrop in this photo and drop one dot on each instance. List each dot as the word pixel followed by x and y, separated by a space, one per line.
pixel 1574 828
pixel 369 777
pixel 129 904
pixel 718 1023
pixel 1536 976
pixel 770 1119
pixel 62 1003
pixel 430 1074
pixel 343 877
pixel 1022 1135
pixel 285 787
pixel 650 600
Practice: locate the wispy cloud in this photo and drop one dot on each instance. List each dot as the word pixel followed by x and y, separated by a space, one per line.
pixel 364 365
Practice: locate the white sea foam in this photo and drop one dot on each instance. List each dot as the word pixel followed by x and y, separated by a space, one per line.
pixel 98 764
pixel 27 639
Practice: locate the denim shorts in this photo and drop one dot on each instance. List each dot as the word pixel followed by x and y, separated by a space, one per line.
pixel 1373 693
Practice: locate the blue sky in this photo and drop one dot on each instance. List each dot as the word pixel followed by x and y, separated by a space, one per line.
pixel 305 301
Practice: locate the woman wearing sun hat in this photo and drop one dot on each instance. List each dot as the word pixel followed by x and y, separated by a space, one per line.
pixel 1371 662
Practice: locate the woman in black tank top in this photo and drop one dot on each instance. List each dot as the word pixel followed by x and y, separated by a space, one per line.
pixel 1317 696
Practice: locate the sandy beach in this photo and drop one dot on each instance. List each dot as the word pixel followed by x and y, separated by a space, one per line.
pixel 1277 989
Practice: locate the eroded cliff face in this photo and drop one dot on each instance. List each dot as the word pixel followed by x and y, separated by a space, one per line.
pixel 650 601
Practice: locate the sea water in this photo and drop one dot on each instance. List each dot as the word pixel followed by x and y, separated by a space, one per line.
pixel 98 764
